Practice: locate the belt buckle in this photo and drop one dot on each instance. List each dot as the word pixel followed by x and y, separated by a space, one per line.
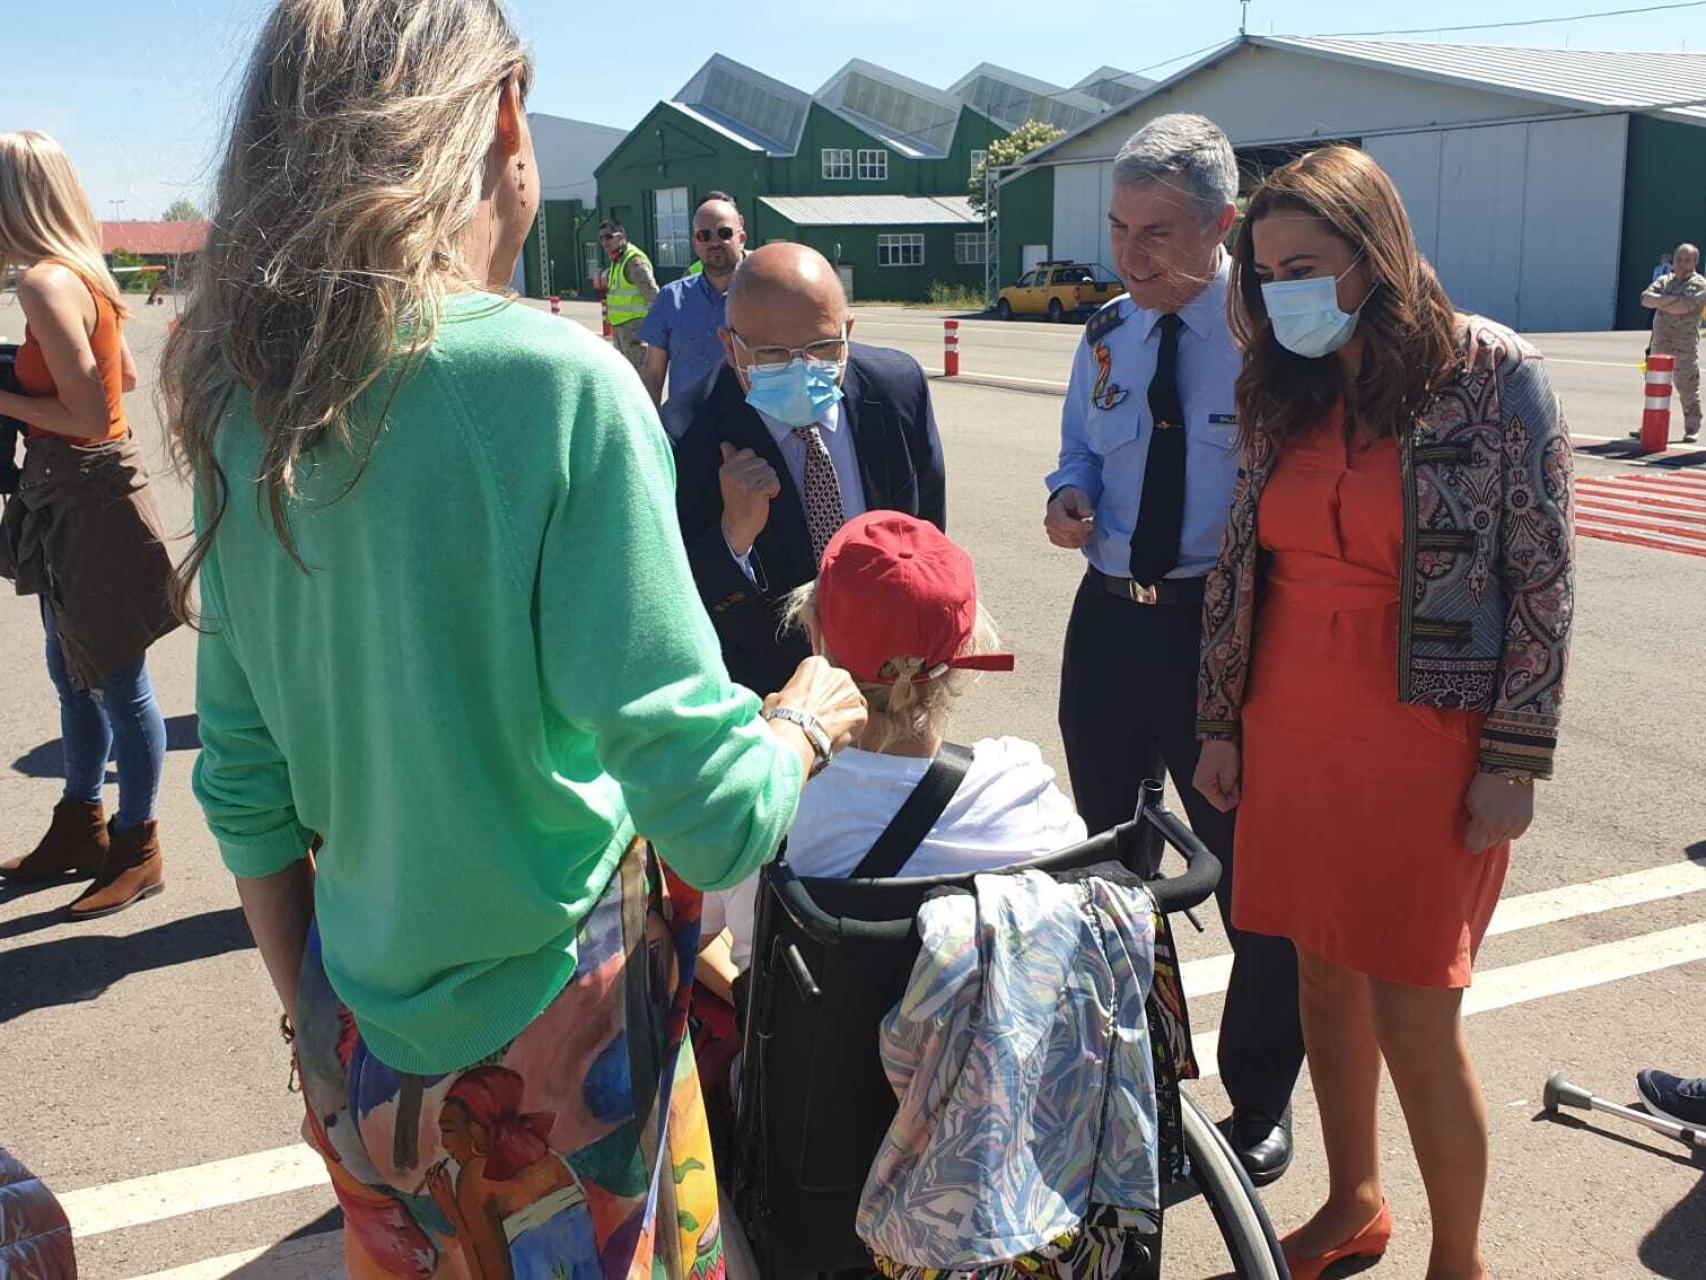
pixel 1140 594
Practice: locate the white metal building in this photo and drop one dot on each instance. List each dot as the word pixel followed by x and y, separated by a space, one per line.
pixel 1542 183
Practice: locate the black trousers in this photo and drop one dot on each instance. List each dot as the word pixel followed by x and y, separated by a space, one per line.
pixel 1128 707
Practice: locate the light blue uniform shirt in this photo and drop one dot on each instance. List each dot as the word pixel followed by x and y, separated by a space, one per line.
pixel 683 320
pixel 1106 425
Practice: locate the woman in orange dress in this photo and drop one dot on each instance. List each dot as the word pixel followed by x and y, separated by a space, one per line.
pixel 1383 661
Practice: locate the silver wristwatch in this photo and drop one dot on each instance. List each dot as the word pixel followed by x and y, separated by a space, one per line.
pixel 813 729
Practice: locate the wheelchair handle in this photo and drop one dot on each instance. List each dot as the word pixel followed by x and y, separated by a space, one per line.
pixel 1137 844
pixel 1196 883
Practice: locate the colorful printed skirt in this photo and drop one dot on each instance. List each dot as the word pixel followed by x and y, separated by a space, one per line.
pixel 579 1152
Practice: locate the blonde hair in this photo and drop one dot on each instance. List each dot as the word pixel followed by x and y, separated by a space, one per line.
pixel 907 710
pixel 353 169
pixel 45 213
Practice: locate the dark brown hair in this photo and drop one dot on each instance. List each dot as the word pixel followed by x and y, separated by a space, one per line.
pixel 1409 328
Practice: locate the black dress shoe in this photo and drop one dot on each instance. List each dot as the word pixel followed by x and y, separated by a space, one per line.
pixel 1261 1143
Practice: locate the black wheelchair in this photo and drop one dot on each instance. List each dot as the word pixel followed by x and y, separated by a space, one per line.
pixel 830 959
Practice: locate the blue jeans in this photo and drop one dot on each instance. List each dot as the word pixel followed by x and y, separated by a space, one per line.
pixel 92 722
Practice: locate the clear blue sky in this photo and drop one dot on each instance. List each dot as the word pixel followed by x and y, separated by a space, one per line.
pixel 137 89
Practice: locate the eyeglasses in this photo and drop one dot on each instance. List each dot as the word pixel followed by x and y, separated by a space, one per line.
pixel 610 235
pixel 704 234
pixel 824 351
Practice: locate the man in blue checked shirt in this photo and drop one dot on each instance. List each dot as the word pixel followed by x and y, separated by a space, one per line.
pixel 1148 460
pixel 681 328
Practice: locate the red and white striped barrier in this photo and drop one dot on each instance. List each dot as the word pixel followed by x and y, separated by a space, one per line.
pixel 1655 419
pixel 556 304
pixel 950 348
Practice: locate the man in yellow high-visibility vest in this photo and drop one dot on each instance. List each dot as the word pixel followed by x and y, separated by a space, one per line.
pixel 632 286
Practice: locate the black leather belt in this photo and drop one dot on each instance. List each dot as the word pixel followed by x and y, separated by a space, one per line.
pixel 1169 591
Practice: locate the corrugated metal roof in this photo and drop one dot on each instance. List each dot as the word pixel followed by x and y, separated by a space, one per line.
pixel 1661 83
pixel 916 119
pixel 756 110
pixel 1113 86
pixel 1637 80
pixel 1010 98
pixel 711 122
pixel 873 211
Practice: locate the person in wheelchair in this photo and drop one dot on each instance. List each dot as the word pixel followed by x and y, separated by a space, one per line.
pixel 895 605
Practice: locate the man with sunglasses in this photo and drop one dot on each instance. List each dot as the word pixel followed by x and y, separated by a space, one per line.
pixel 630 289
pixel 680 331
pixel 799 432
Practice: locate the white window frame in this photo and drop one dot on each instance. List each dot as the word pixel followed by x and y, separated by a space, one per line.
pixel 674 227
pixel 896 250
pixel 874 165
pixel 971 248
pixel 978 156
pixel 837 164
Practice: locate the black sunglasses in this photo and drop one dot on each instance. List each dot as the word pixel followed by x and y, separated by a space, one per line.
pixel 703 234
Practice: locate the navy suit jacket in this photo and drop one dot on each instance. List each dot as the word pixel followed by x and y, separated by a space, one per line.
pixel 886 405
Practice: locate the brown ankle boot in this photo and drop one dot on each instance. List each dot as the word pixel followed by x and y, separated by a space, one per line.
pixel 135 870
pixel 75 843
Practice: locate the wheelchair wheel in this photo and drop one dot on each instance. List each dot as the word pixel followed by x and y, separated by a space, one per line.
pixel 1252 1246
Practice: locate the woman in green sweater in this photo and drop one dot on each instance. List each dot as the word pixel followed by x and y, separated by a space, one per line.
pixel 448 625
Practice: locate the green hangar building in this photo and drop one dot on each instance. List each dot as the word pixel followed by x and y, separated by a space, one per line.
pixel 872 169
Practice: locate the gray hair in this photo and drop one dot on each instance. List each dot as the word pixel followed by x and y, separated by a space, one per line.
pixel 904 711
pixel 1689 249
pixel 1183 150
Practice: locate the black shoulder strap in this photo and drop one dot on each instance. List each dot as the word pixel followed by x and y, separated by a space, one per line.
pixel 901 838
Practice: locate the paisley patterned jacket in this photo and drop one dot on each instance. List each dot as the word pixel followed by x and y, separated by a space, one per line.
pixel 1489 560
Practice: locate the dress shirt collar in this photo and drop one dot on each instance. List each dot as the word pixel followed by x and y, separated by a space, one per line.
pixel 780 431
pixel 1205 313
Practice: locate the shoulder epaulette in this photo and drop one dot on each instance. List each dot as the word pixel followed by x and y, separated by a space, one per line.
pixel 1105 321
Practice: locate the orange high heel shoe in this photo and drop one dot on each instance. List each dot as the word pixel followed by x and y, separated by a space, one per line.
pixel 1370 1242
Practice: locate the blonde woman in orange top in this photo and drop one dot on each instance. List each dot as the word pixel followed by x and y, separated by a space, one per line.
pixel 102 569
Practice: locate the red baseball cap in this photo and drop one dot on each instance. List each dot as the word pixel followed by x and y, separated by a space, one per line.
pixel 893 586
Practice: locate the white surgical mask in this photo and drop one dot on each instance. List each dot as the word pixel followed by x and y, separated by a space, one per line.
pixel 1306 317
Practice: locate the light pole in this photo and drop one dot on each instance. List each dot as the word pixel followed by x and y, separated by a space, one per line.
pixel 118 208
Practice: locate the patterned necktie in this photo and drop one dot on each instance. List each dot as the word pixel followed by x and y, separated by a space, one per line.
pixel 1161 515
pixel 823 491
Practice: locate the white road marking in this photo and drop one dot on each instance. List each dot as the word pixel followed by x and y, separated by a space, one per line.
pixel 1209 976
pixel 315 1257
pixel 977 379
pixel 1588 967
pixel 95 1210
pixel 1548 976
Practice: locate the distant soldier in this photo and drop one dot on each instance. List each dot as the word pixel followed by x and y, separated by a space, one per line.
pixel 1677 300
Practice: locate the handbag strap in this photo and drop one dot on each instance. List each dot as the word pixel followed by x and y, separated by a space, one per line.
pixel 906 831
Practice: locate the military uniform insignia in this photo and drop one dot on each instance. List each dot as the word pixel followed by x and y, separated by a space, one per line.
pixel 1106 393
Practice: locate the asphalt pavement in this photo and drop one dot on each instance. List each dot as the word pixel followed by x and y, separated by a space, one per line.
pixel 142 1076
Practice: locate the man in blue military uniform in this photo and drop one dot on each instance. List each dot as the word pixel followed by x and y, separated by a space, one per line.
pixel 1148 460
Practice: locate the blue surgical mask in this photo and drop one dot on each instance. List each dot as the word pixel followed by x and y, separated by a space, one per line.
pixel 798 393
pixel 1306 317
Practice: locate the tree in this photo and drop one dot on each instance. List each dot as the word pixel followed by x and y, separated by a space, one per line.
pixel 183 211
pixel 1028 137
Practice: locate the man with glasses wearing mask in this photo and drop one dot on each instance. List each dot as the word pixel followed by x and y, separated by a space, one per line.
pixel 630 288
pixel 680 331
pixel 799 432
pixel 1148 460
